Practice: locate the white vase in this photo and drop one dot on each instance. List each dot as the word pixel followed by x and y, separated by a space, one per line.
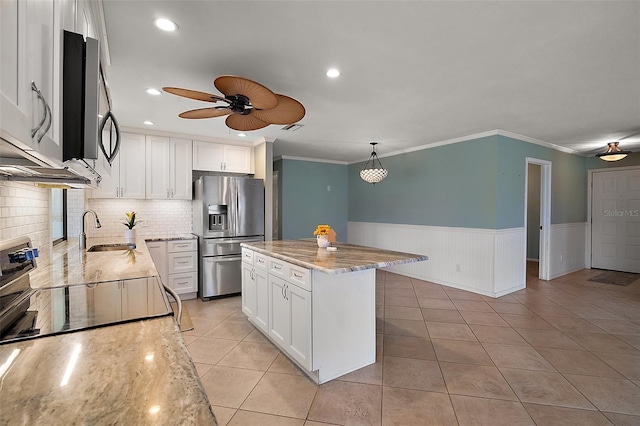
pixel 130 235
pixel 323 241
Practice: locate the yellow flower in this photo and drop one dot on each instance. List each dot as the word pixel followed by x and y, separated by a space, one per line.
pixel 322 230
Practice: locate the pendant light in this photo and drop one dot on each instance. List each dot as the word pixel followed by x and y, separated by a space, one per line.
pixel 613 153
pixel 373 173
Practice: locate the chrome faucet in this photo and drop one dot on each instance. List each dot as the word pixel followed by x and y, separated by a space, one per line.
pixel 82 240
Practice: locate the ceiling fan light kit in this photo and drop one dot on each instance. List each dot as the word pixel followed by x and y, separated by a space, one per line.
pixel 372 172
pixel 249 105
pixel 613 153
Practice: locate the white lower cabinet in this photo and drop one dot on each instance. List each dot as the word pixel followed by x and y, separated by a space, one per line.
pixel 177 264
pixel 290 319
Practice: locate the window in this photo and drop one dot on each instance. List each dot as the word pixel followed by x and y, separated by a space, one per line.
pixel 58 215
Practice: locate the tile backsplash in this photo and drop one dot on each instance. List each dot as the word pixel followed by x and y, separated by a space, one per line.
pixel 156 218
pixel 25 210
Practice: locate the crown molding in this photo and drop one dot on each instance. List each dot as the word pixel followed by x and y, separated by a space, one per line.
pixel 314 160
pixel 472 137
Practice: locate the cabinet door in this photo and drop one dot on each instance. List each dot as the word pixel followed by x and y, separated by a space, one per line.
pixel 43 56
pixel 180 157
pixel 262 299
pixel 15 91
pixel 208 156
pixel 186 282
pixel 237 159
pixel 158 169
pixel 158 252
pixel 135 298
pixel 105 303
pixel 300 340
pixel 109 186
pixel 132 166
pixel 279 312
pixel 249 294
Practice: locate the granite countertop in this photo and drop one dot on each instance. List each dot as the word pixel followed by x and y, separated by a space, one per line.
pixel 69 265
pixel 135 373
pixel 347 257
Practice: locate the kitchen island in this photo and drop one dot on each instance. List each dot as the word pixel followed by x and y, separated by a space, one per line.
pixel 136 372
pixel 316 305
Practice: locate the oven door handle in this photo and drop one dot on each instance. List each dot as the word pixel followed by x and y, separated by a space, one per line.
pixel 178 302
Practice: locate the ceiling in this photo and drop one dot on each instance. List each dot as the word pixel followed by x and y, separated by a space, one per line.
pixel 413 73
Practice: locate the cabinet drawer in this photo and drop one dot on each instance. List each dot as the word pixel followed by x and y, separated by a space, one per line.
pixel 186 282
pixel 176 246
pixel 278 267
pixel 247 256
pixel 182 262
pixel 299 276
pixel 260 260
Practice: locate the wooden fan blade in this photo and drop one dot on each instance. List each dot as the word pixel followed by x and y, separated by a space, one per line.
pixel 259 96
pixel 205 113
pixel 193 94
pixel 244 123
pixel 288 111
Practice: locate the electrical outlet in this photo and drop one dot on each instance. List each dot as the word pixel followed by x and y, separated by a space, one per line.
pixel 561 257
pixel 458 267
pixel 328 188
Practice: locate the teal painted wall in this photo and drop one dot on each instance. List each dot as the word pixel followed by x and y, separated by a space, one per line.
pixel 305 201
pixel 533 212
pixel 452 185
pixel 474 184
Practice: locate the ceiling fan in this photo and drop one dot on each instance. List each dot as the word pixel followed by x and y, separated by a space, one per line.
pixel 248 105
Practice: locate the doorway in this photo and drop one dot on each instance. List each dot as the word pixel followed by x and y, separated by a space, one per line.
pixel 537 220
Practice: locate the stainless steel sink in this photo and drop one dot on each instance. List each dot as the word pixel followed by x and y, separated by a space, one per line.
pixel 112 247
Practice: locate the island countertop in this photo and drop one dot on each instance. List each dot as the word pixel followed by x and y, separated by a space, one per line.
pixel 347 258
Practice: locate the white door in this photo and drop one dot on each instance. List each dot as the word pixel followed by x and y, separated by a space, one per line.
pixel 237 159
pixel 615 214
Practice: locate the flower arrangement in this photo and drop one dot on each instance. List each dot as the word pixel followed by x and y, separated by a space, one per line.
pixel 322 230
pixel 131 220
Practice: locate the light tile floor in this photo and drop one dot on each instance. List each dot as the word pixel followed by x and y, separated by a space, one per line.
pixel 563 352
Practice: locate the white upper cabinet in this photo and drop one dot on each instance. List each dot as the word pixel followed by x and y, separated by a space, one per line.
pixel 168 171
pixel 30 96
pixel 127 177
pixel 208 156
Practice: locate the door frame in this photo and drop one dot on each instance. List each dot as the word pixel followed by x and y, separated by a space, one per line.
pixel 544 272
pixel 588 249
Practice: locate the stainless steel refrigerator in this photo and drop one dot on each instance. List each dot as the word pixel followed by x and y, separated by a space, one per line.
pixel 226 212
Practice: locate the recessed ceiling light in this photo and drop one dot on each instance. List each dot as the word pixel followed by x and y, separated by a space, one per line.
pixel 148 123
pixel 165 24
pixel 333 73
pixel 153 91
pixel 242 135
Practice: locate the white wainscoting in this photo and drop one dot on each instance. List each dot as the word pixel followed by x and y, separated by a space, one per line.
pixel 485 261
pixel 567 248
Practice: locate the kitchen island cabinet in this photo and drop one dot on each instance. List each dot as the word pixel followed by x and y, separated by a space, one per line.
pixel 320 304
